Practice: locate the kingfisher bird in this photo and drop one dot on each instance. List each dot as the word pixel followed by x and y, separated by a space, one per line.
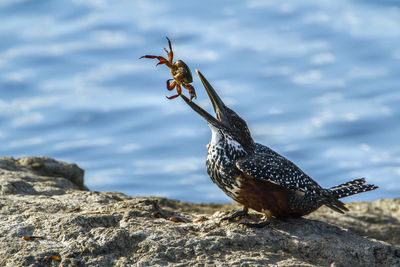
pixel 256 176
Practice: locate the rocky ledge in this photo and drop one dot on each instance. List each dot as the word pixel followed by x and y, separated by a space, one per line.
pixel 49 218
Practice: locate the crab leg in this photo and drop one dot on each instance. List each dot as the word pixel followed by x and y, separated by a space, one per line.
pixel 192 92
pixel 170 53
pixel 161 59
pixel 178 90
pixel 172 85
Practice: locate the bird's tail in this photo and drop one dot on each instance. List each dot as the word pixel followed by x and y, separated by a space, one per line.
pixel 351 188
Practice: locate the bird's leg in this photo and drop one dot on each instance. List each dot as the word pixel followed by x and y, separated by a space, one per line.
pixel 178 90
pixel 172 85
pixel 236 214
pixel 192 92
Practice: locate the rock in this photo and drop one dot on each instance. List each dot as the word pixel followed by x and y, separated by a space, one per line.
pixel 45 201
pixel 45 166
pixel 379 219
pixel 38 175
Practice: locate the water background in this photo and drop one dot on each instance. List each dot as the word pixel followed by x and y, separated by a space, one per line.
pixel 318 81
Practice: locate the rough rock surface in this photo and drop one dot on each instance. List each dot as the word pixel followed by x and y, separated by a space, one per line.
pixel 47 199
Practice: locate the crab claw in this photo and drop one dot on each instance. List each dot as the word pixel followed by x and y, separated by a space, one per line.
pixel 192 94
pixel 161 59
pixel 162 62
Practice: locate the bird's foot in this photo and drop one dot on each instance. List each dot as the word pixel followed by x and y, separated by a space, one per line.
pixel 239 213
pixel 257 225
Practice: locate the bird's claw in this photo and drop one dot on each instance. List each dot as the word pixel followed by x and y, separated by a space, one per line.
pixel 239 213
pixel 257 225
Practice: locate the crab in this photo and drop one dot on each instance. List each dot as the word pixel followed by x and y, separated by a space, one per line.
pixel 181 74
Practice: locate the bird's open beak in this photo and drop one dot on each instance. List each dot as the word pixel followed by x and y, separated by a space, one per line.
pixel 219 106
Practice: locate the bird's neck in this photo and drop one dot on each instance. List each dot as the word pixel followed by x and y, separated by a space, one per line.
pixel 223 153
pixel 225 145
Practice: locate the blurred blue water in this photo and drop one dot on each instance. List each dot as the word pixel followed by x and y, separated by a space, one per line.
pixel 316 81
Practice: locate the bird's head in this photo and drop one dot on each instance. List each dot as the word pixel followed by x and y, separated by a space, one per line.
pixel 227 121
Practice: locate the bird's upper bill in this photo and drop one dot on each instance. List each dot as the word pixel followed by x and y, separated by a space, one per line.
pixel 221 111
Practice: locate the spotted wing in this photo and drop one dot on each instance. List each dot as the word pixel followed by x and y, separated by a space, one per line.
pixel 278 170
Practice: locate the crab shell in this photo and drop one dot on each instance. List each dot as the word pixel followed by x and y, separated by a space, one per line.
pixel 182 72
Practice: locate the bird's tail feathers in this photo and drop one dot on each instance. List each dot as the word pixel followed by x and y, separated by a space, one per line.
pixel 332 202
pixel 351 188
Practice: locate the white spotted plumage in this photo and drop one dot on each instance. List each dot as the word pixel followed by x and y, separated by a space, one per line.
pixel 223 151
